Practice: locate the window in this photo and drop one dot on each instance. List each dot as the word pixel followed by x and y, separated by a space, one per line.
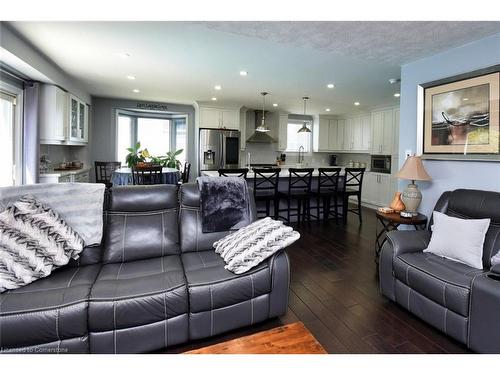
pixel 124 139
pixel 294 139
pixel 158 134
pixel 10 140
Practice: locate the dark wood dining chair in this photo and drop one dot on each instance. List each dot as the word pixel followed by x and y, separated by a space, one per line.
pixel 326 191
pixel 185 173
pixel 299 190
pixel 265 189
pixel 235 172
pixel 104 171
pixel 147 176
pixel 353 185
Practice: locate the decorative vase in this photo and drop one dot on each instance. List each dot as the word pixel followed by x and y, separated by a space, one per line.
pixel 397 204
pixel 412 198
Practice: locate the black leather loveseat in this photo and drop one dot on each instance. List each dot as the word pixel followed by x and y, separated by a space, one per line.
pixel 154 282
pixel 461 301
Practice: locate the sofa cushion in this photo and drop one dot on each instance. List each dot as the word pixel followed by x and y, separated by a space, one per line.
pixel 49 309
pixel 444 281
pixel 211 286
pixel 142 223
pixel 137 293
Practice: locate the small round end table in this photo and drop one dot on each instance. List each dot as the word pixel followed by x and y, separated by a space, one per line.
pixel 391 222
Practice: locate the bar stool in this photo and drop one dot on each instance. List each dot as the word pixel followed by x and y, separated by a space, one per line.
pixel 235 172
pixel 328 188
pixel 353 183
pixel 299 189
pixel 265 188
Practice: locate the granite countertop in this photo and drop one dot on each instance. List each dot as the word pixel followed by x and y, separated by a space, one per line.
pixel 53 173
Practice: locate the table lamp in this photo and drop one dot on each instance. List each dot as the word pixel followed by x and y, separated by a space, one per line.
pixel 413 170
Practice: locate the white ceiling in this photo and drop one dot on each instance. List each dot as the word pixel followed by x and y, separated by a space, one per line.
pixel 182 61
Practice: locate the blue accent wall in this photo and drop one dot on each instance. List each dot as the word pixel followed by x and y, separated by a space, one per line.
pixel 446 175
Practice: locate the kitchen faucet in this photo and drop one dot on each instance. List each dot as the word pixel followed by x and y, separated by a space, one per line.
pixel 301 159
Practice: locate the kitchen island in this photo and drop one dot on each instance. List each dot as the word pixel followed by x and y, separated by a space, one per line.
pixel 283 186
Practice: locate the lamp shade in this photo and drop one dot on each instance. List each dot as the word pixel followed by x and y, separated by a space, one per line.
pixel 413 169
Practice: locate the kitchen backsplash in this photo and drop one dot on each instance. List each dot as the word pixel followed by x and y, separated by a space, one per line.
pixel 62 153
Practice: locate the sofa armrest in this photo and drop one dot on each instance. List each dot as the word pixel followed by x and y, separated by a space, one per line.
pixel 408 241
pixel 280 278
pixel 495 269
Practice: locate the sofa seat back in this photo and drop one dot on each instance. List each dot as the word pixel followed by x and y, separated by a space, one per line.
pixel 192 237
pixel 142 223
pixel 475 204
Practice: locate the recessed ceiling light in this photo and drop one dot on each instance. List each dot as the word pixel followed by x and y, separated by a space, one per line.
pixel 275 104
pixel 327 109
pixel 243 73
pixel 330 85
pixel 124 55
pixel 465 99
pixel 392 81
pixel 218 87
pixel 397 94
pixel 131 77
pixel 214 98
pixel 356 103
pixel 136 90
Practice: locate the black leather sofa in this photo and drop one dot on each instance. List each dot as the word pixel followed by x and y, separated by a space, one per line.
pixel 154 282
pixel 461 301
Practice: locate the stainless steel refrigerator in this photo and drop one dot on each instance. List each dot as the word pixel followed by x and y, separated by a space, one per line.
pixel 219 148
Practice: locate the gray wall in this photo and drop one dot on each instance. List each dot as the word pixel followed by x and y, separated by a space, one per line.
pixel 102 141
pixel 446 175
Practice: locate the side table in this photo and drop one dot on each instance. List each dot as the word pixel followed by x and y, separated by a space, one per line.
pixel 392 222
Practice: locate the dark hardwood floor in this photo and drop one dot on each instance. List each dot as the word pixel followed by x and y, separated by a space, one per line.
pixel 334 292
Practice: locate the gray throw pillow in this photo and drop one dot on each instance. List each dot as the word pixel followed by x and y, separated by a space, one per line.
pixel 251 245
pixel 457 239
pixel 34 240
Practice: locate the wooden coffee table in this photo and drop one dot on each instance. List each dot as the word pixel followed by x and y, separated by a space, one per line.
pixel 290 339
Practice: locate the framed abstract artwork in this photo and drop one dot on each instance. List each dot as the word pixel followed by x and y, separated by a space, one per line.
pixel 462 117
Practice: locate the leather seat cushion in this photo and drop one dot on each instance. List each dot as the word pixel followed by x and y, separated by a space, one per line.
pixel 137 293
pixel 47 310
pixel 211 286
pixel 442 280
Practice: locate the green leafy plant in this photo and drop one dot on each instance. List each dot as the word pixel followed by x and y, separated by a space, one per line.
pixel 169 160
pixel 134 156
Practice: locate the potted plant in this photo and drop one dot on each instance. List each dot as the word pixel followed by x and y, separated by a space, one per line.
pixel 171 160
pixel 134 156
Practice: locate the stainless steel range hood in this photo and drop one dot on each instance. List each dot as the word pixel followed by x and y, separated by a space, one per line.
pixel 260 137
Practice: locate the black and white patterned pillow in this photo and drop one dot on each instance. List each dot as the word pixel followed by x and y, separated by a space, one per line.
pixel 34 240
pixel 251 245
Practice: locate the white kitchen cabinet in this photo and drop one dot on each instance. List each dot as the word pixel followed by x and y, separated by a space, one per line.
pixel 282 131
pixel 78 120
pixel 323 134
pixel 378 189
pixel 79 177
pixel 217 118
pixel 53 115
pixel 366 133
pixel 243 128
pixel 384 140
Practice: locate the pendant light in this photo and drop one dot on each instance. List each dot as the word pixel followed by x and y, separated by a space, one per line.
pixel 304 128
pixel 263 127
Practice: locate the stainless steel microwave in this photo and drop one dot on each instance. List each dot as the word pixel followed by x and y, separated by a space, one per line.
pixel 381 164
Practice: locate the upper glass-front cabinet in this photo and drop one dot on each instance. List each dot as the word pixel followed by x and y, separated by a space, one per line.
pixel 78 120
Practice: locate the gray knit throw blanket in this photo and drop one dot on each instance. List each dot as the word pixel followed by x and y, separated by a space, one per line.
pixel 224 203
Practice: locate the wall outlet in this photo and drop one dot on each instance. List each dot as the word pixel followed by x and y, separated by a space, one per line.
pixel 408 153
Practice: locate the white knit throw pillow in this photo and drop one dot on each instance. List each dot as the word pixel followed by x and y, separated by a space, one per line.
pixel 249 246
pixel 34 240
